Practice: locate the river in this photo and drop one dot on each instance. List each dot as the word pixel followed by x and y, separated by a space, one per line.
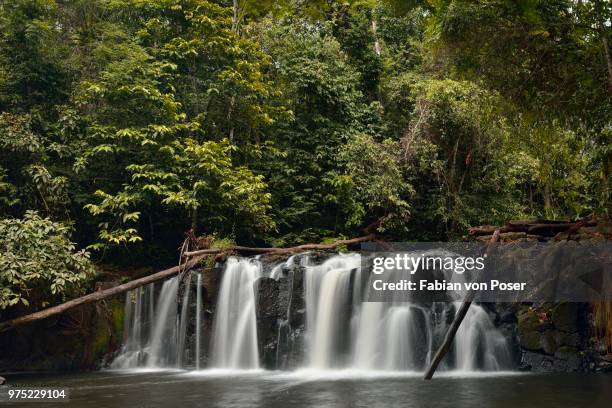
pixel 304 388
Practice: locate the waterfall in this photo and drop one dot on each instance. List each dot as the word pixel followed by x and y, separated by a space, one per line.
pixel 332 327
pixel 277 271
pixel 327 299
pixel 234 343
pixel 138 319
pixel 198 321
pixel 479 344
pixel 152 332
pixel 183 323
pixel 163 347
pixel 392 335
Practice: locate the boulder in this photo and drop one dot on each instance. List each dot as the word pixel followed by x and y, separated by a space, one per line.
pixel 2 380
pixel 565 317
pixel 548 342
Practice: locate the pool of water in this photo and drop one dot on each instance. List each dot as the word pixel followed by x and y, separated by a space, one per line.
pixel 302 389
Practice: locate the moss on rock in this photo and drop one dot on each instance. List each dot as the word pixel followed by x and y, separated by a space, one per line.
pixel 530 341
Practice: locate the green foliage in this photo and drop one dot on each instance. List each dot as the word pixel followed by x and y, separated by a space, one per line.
pixel 160 114
pixel 372 185
pixel 38 263
pixel 33 56
pixel 283 122
pixel 458 152
pixel 328 110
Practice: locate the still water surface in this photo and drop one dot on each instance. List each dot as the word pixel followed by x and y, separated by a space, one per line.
pixel 304 389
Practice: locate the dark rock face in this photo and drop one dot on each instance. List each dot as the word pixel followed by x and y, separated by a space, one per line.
pixel 269 316
pixel 80 339
pixel 281 318
pixel 211 284
pixel 554 337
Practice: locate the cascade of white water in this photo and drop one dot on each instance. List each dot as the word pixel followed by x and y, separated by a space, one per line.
pixel 479 345
pixel 277 271
pixel 198 321
pixel 392 335
pixel 162 350
pixel 341 330
pixel 183 322
pixel 327 289
pixel 234 343
pixel 138 317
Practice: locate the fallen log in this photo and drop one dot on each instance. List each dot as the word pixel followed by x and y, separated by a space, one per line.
pixel 452 331
pixel 98 295
pixel 526 223
pixel 490 229
pixel 299 248
pixel 195 256
pixel 533 227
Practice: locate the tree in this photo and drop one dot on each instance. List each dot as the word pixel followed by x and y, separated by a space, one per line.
pixel 371 187
pixel 38 263
pixel 320 87
pixel 147 115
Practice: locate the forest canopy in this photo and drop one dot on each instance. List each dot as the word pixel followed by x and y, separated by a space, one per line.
pixel 125 123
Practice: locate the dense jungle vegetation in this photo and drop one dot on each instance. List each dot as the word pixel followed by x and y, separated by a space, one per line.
pixel 125 123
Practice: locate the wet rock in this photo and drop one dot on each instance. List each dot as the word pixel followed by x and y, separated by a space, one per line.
pixel 565 317
pixel 529 320
pixel 554 337
pixel 530 341
pixel 536 362
pixel 568 359
pixel 508 317
pixel 548 342
pixel 268 310
pixel 81 338
pixel 604 365
pixel 567 339
pixel 281 316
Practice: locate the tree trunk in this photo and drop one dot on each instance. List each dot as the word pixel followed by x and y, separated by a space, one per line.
pixel 376 42
pixel 547 201
pixel 235 16
pixel 298 248
pixel 606 45
pixel 97 296
pixel 601 24
pixel 196 257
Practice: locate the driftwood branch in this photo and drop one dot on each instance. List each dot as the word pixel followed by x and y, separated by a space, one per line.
pixel 299 248
pixel 452 331
pixel 98 295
